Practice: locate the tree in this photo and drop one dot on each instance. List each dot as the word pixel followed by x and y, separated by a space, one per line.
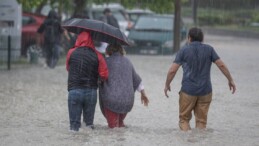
pixel 29 5
pixel 194 11
pixel 79 7
pixel 177 25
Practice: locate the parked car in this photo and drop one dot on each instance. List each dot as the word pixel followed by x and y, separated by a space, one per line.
pixel 153 34
pixel 96 12
pixel 30 24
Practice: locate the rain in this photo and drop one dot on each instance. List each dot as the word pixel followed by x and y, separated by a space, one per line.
pixel 34 90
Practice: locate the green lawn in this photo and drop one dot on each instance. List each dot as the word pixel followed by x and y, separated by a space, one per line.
pixel 239 20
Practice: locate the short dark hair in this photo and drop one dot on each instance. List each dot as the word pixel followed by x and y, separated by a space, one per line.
pixel 106 10
pixel 196 34
pixel 112 48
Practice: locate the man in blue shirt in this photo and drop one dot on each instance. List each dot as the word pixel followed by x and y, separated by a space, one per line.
pixel 196 91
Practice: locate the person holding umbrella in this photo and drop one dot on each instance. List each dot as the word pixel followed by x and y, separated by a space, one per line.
pixel 117 93
pixel 84 65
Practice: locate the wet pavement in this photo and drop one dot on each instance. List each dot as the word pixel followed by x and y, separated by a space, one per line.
pixel 33 105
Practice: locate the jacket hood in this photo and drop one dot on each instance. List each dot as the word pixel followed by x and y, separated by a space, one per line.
pixel 84 40
pixel 52 15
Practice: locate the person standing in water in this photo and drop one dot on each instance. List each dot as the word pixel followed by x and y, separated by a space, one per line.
pixel 85 66
pixel 196 91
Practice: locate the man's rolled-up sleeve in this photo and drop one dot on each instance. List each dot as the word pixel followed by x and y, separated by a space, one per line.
pixel 214 55
pixel 179 57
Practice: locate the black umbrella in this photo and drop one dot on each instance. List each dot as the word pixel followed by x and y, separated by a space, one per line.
pixel 99 30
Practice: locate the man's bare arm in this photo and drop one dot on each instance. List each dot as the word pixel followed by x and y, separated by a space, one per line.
pixel 170 76
pixel 221 65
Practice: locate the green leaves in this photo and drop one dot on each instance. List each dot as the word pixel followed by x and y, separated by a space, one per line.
pixel 28 5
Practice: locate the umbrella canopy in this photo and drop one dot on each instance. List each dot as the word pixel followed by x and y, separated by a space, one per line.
pixel 99 30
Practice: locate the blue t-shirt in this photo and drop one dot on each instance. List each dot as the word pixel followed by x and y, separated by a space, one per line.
pixel 196 59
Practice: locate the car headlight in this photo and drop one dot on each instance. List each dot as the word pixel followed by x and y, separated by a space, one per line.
pixel 168 44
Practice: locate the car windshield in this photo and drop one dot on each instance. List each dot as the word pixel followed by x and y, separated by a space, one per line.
pixel 118 15
pixel 156 23
pixel 27 20
pixel 97 14
pixel 134 17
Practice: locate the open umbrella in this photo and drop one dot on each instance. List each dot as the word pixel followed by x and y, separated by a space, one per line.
pixel 99 30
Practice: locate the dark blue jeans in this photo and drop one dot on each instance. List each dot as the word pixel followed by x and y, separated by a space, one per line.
pixel 81 100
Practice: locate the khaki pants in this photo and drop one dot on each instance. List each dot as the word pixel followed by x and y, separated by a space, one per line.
pixel 200 106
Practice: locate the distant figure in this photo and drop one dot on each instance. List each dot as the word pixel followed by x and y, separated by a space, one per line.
pixel 196 92
pixel 52 30
pixel 110 19
pixel 117 93
pixel 85 67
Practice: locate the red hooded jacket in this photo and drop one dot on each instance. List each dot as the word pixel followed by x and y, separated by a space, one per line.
pixel 84 40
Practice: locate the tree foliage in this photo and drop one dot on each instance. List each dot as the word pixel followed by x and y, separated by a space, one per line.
pixel 177 26
pixel 77 6
pixel 37 5
pixel 27 5
pixel 161 6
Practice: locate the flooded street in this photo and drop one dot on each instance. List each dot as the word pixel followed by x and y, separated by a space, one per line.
pixel 33 105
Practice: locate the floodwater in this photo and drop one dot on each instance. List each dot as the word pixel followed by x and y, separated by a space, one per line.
pixel 33 105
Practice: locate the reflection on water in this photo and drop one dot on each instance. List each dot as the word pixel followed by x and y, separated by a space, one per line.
pixel 102 135
pixel 194 135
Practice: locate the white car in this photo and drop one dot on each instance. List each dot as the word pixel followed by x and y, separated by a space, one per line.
pixel 96 12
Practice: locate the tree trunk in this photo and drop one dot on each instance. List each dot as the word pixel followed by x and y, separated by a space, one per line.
pixel 79 7
pixel 60 9
pixel 194 11
pixel 177 25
